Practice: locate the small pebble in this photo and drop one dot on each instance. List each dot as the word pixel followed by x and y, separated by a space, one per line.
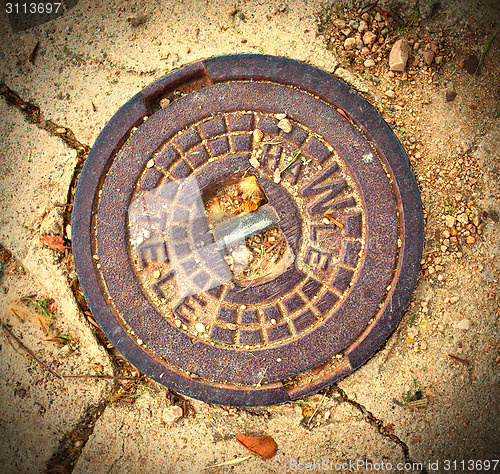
pixel 471 64
pixel 389 93
pixel 156 274
pixel 359 44
pixel 172 414
pixel 164 102
pixel 350 43
pixel 369 38
pixel 200 328
pixel 428 57
pixel 285 125
pixel 257 135
pixel 463 218
pixel 254 162
pixel 463 324
pixel 369 63
pixel 277 176
pixel 450 221
pixel 138 20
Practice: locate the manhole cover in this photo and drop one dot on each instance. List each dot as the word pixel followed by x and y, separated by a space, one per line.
pixel 247 230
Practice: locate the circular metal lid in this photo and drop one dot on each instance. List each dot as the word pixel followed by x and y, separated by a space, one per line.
pixel 247 230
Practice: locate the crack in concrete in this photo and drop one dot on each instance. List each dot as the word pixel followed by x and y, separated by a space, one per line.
pixel 378 424
pixel 116 461
pixel 35 116
pixel 72 444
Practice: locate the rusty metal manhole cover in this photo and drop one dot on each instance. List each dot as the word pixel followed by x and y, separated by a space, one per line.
pixel 247 230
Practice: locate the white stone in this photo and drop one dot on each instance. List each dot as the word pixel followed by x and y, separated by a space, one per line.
pixel 200 328
pixel 463 324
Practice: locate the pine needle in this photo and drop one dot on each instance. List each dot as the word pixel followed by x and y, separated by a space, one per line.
pixel 230 463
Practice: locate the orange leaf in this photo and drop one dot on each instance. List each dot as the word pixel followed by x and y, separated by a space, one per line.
pixel 100 367
pixel 341 112
pixel 54 242
pixel 262 446
pixel 249 206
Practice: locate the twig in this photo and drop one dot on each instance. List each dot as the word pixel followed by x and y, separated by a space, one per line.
pixel 369 7
pixel 317 408
pixel 105 377
pixel 229 463
pixel 32 57
pixel 463 361
pixel 335 221
pixel 259 383
pixel 24 349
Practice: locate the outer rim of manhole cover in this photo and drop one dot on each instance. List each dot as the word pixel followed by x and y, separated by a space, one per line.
pixel 321 335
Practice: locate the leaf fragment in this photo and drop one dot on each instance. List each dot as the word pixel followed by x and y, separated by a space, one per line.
pixel 54 242
pixel 261 446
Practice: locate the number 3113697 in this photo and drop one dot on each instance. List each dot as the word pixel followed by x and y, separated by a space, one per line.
pixel 27 8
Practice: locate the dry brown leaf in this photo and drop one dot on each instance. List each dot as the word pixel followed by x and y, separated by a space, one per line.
pixel 51 305
pixel 250 188
pixel 100 367
pixel 262 446
pixel 54 242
